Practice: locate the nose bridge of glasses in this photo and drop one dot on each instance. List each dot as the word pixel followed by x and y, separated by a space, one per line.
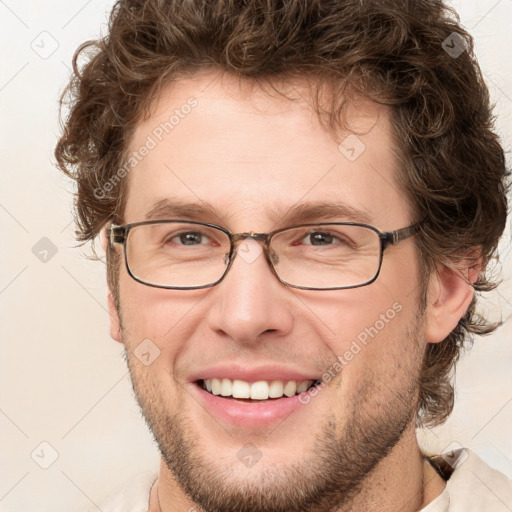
pixel 262 238
pixel 237 238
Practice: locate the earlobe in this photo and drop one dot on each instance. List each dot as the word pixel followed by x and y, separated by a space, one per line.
pixel 115 324
pixel 449 295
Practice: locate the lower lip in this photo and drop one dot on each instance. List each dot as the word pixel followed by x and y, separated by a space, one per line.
pixel 248 414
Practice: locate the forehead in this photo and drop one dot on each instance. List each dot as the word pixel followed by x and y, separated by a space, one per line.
pixel 243 153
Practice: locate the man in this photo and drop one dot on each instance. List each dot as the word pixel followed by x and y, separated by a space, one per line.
pixel 298 201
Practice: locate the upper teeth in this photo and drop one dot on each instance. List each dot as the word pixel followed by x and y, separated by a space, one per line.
pixel 260 390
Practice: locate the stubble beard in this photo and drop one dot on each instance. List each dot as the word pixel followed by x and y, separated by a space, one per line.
pixel 334 469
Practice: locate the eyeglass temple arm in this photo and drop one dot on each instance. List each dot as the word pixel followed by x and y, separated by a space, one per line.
pixel 116 234
pixel 394 237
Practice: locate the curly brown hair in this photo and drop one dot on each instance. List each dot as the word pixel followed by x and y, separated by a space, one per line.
pixel 393 52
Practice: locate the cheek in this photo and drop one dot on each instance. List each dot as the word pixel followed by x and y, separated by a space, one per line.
pixel 158 320
pixel 355 315
pixel 377 321
pixel 372 330
pixel 400 272
pixel 375 338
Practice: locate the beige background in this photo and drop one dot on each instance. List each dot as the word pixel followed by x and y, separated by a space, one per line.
pixel 63 381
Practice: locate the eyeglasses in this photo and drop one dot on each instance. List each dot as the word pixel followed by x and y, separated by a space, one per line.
pixel 187 255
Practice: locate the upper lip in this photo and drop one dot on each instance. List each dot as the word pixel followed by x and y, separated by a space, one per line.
pixel 253 373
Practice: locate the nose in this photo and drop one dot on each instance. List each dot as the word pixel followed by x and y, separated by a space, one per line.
pixel 250 300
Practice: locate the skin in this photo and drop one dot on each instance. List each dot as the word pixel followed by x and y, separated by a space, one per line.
pixel 353 447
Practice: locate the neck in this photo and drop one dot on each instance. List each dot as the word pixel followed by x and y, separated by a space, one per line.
pixel 404 481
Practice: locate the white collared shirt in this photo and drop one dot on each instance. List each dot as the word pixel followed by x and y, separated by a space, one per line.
pixel 472 487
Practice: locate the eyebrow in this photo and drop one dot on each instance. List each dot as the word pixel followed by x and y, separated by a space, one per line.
pixel 301 213
pixel 170 209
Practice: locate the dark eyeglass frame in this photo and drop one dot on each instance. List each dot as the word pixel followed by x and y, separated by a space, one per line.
pixel 118 234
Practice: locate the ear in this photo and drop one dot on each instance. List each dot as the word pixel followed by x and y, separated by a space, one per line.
pixel 450 293
pixel 115 324
pixel 104 239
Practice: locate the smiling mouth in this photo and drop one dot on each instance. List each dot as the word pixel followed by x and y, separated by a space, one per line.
pixel 255 391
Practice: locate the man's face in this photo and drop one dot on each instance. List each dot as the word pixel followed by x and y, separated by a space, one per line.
pixel 248 156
